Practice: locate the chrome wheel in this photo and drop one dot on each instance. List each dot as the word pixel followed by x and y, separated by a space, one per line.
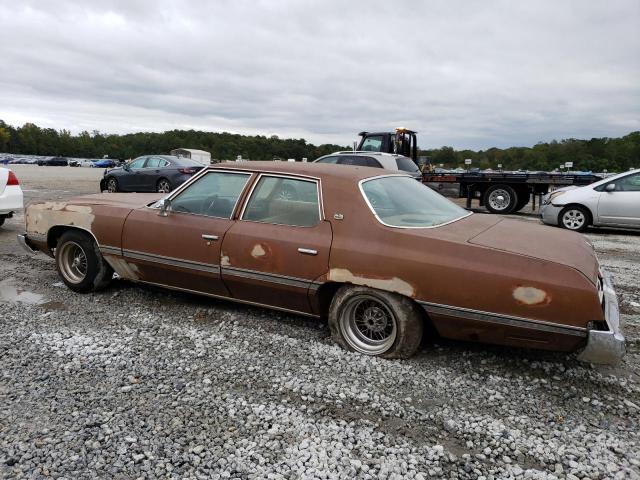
pixel 72 260
pixel 164 186
pixel 368 325
pixel 499 199
pixel 112 185
pixel 573 219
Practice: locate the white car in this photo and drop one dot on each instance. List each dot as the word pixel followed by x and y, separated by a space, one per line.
pixel 10 194
pixel 612 202
pixel 388 161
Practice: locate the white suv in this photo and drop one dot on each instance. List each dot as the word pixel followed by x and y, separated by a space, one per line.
pixel 388 161
pixel 10 194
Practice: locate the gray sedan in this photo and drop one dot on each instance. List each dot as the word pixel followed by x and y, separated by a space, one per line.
pixel 612 202
pixel 150 173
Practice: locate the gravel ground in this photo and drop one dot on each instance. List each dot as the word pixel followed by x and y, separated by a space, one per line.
pixel 137 382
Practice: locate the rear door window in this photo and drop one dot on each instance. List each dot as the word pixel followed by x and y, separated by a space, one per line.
pixel 155 162
pixel 284 201
pixel 360 161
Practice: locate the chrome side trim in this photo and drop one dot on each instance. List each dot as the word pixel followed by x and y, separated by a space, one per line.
pixel 232 299
pixel 501 319
pixel 175 262
pixel 271 278
pixel 110 250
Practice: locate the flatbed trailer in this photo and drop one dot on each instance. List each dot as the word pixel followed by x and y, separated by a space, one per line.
pixel 507 192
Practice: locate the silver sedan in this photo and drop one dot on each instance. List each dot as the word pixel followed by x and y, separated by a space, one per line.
pixel 612 202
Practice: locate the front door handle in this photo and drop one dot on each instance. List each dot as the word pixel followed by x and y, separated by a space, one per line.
pixel 209 238
pixel 307 251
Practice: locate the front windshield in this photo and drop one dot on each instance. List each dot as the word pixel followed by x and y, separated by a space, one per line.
pixel 400 201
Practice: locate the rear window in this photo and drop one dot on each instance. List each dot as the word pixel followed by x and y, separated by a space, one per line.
pixel 407 165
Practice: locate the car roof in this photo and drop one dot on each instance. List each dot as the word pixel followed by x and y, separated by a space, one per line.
pixel 312 169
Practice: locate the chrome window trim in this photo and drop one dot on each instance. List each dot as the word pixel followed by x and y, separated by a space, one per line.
pixel 364 180
pixel 198 175
pixel 302 178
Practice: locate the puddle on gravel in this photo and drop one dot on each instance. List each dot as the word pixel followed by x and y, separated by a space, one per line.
pixel 10 292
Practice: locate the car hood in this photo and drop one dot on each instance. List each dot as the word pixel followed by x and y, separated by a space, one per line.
pixel 129 200
pixel 542 242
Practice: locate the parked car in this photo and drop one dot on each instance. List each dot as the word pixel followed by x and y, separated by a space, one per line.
pixel 388 161
pixel 381 256
pixel 612 202
pixel 104 163
pixel 150 173
pixel 53 162
pixel 10 194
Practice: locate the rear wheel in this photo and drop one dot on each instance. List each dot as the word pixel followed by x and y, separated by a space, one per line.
pixel 375 322
pixel 574 217
pixel 500 199
pixel 523 201
pixel 163 186
pixel 80 264
pixel 112 185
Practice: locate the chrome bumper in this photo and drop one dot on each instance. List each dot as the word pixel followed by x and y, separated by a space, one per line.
pixel 606 346
pixel 24 243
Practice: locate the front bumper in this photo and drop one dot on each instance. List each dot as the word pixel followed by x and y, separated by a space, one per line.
pixel 550 213
pixel 606 346
pixel 26 244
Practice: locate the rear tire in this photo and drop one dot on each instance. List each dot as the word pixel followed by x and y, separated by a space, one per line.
pixel 501 199
pixel 80 263
pixel 375 322
pixel 575 218
pixel 163 186
pixel 523 201
pixel 2 219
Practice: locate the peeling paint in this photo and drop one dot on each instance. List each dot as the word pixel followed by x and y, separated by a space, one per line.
pixel 531 296
pixel 123 268
pixel 40 217
pixel 394 284
pixel 258 251
pixel 225 261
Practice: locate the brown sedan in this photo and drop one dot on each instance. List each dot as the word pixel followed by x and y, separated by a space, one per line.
pixel 380 255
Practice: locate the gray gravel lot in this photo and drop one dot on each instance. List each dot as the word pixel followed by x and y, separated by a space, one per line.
pixel 137 382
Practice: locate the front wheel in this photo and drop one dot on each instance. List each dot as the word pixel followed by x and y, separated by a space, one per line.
pixel 574 218
pixel 80 264
pixel 112 185
pixel 375 322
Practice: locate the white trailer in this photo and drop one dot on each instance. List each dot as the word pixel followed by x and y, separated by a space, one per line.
pixel 198 155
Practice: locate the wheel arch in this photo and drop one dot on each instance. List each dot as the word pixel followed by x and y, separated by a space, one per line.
pixel 56 231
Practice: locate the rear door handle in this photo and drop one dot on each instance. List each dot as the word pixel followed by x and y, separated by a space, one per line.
pixel 209 237
pixel 307 251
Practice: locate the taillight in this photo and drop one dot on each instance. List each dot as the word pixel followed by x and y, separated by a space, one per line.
pixel 12 180
pixel 189 170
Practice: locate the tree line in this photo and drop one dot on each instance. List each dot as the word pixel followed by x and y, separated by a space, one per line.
pixel 596 154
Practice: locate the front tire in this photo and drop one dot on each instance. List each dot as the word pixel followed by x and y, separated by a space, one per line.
pixel 501 199
pixel 574 217
pixel 375 322
pixel 80 264
pixel 112 185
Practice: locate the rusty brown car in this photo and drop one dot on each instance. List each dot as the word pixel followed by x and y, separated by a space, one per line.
pixel 382 256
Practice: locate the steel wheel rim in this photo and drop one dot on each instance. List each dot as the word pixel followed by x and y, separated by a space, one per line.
pixel 112 186
pixel 72 260
pixel 573 219
pixel 499 199
pixel 164 187
pixel 368 325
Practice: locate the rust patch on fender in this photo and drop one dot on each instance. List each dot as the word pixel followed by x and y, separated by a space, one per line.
pixel 531 296
pixel 258 251
pixel 123 268
pixel 394 284
pixel 40 217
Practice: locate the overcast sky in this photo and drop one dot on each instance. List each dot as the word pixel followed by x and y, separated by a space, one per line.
pixel 462 73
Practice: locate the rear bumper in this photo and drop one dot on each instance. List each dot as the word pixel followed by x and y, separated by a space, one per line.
pixel 26 244
pixel 606 346
pixel 11 200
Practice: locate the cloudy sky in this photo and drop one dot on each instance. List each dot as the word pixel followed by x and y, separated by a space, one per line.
pixel 463 73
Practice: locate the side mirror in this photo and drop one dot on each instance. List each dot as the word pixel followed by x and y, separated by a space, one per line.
pixel 165 207
pixel 611 187
pixel 126 167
